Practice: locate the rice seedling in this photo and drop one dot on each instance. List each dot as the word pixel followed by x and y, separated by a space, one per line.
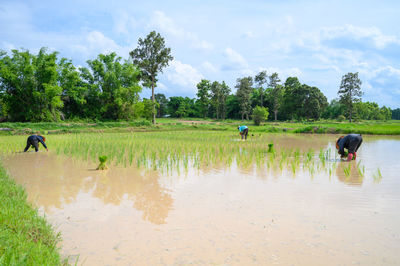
pixel 270 148
pixel 347 170
pixel 361 170
pixel 169 151
pixel 102 165
pixel 377 176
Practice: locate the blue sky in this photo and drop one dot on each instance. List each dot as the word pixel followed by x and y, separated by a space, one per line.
pixel 317 41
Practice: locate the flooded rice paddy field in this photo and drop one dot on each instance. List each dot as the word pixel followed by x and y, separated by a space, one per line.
pixel 233 203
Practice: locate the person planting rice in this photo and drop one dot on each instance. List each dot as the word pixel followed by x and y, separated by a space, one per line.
pixel 243 131
pixel 34 142
pixel 351 142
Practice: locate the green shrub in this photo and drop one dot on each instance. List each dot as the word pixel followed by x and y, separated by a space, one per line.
pixel 260 114
pixel 341 118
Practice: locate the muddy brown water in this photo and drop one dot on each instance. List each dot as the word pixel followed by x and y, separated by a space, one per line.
pixel 220 215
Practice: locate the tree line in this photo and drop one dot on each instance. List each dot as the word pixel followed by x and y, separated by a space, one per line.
pixel 44 87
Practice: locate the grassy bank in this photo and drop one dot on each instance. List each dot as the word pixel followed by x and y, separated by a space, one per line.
pixel 167 124
pixel 25 237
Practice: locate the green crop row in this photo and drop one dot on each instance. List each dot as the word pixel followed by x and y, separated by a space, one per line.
pixel 169 151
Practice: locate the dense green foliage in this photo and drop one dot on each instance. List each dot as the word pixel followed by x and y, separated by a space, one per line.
pixel 25 237
pixel 42 87
pixel 29 86
pixel 396 114
pixel 114 87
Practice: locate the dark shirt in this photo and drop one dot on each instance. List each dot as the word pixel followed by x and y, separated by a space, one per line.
pixel 350 142
pixel 37 138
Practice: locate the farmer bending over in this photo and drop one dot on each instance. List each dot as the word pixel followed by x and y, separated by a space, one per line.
pixel 34 142
pixel 351 142
pixel 243 130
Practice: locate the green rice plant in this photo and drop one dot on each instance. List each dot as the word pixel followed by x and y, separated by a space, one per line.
pixel 322 155
pixel 377 176
pixel 360 170
pixel 347 170
pixel 270 148
pixel 102 165
pixel 293 167
pixel 183 149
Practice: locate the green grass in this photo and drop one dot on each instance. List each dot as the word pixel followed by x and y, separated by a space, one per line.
pixel 170 124
pixel 25 237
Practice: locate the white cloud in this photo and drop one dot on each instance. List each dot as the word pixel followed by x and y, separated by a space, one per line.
pixel 183 75
pixel 8 46
pixel 381 84
pixel 202 45
pixel 207 66
pixel 95 42
pixel 124 23
pixel 374 34
pixel 168 26
pixel 234 59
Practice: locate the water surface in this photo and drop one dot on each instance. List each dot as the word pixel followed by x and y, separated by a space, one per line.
pixel 222 215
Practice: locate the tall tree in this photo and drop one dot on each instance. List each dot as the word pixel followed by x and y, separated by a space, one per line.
pixel 260 79
pixel 203 94
pixel 350 92
pixel 225 90
pixel 151 56
pixel 219 95
pixel 215 98
pixel 244 88
pixel 276 93
pixel 291 99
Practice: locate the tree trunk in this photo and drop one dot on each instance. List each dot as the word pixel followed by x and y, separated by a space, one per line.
pixel 351 104
pixel 154 100
pixel 350 115
pixel 276 114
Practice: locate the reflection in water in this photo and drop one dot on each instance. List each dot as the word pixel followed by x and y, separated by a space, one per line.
pixel 53 182
pixel 282 211
pixel 349 173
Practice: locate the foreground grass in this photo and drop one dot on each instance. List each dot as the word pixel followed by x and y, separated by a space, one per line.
pixel 168 124
pixel 25 237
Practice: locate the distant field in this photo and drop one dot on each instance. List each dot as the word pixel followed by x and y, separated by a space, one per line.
pixel 391 127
